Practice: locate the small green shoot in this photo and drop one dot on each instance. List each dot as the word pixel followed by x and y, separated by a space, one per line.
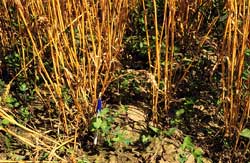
pixel 23 87
pixel 245 133
pixel 104 125
pixel 169 132
pixel 156 130
pixel 145 139
pixel 97 124
pixel 188 146
pixel 12 102
pixel 187 143
pixel 177 120
pixel 5 122
pixel 179 112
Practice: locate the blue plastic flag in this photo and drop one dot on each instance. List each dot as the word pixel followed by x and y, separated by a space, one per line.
pixel 99 105
pixel 98 110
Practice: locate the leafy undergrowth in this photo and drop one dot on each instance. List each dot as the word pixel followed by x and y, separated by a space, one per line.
pixel 188 132
pixel 125 134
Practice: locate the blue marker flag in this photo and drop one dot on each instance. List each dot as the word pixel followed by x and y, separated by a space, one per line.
pixel 99 105
pixel 98 110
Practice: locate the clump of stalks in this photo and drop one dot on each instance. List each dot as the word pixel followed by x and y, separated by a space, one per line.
pixel 181 21
pixel 80 41
pixel 235 94
pixel 165 34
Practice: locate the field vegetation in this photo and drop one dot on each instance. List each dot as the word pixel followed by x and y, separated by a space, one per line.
pixel 125 81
